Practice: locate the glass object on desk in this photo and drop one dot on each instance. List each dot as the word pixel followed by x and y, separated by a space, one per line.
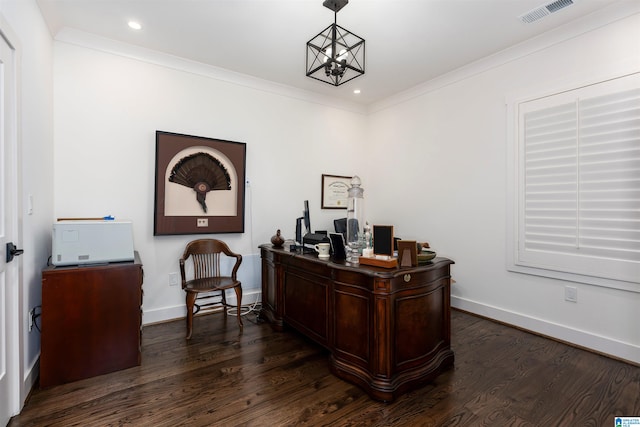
pixel 367 250
pixel 355 221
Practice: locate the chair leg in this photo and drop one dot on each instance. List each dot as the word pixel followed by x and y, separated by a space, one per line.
pixel 238 290
pixel 223 297
pixel 191 301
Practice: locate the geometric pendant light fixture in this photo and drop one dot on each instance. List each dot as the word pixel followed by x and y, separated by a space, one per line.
pixel 335 55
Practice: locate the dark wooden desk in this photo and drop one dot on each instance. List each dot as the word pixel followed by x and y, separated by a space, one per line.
pixel 388 330
pixel 91 320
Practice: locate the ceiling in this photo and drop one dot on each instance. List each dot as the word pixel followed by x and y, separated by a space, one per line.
pixel 408 42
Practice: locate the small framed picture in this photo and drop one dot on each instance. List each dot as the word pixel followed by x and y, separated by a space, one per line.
pixel 383 240
pixel 407 253
pixel 335 191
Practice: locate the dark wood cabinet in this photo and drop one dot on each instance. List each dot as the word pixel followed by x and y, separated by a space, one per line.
pixel 91 320
pixel 387 329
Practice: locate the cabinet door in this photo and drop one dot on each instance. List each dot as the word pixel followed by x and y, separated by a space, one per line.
pixel 269 286
pixel 421 318
pixel 272 279
pixel 352 327
pixel 90 322
pixel 306 304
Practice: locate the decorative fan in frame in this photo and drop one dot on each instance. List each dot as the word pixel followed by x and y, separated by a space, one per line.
pixel 203 173
pixel 214 170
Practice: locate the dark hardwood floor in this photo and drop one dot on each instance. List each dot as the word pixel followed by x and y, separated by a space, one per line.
pixel 502 377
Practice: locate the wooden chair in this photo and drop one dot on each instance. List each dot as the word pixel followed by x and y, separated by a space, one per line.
pixel 207 283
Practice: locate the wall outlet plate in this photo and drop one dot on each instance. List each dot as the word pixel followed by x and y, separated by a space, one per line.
pixel 174 279
pixel 571 293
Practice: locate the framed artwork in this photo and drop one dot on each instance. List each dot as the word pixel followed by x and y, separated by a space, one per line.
pixel 335 191
pixel 199 185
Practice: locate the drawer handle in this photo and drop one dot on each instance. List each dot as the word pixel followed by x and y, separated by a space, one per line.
pixel 407 277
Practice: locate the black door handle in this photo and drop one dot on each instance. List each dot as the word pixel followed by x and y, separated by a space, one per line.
pixel 13 251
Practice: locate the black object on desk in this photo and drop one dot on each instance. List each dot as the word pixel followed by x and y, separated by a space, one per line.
pixel 315 238
pixel 338 246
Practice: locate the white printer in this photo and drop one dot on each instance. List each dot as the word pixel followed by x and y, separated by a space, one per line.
pixel 91 242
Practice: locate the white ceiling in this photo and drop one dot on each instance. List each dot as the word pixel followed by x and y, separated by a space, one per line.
pixel 408 42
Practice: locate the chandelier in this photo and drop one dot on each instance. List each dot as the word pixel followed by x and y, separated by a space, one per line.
pixel 335 55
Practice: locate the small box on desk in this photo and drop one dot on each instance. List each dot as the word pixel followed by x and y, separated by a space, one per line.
pixel 378 262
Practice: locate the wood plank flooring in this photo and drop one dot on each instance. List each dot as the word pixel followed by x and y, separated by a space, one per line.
pixel 502 377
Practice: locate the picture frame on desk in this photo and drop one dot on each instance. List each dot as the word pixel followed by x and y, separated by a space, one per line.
pixel 407 253
pixel 338 247
pixel 199 185
pixel 334 194
pixel 383 240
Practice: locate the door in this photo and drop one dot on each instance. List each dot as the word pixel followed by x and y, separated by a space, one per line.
pixel 9 323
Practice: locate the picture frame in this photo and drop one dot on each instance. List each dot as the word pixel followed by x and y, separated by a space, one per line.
pixel 407 253
pixel 383 240
pixel 199 185
pixel 334 194
pixel 338 249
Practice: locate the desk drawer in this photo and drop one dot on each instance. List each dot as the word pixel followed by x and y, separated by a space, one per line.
pixel 410 279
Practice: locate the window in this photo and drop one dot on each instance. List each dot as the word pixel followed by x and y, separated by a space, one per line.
pixel 576 202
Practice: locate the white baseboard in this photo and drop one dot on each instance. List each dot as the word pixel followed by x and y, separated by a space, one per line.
pixel 30 378
pixel 597 343
pixel 164 314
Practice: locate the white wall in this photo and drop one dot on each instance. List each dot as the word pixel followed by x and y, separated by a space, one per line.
pixel 439 173
pixel 107 109
pixel 36 145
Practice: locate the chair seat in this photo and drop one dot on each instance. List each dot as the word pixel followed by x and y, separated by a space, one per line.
pixel 210 284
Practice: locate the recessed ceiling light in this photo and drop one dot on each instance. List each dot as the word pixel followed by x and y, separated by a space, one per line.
pixel 135 25
pixel 356 91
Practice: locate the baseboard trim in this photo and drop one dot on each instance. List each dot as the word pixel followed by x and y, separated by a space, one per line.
pixel 598 344
pixel 180 312
pixel 30 380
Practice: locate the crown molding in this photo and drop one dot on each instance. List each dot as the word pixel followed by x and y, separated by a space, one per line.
pixel 616 12
pixel 114 47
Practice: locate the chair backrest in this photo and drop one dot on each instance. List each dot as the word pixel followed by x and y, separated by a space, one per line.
pixel 205 254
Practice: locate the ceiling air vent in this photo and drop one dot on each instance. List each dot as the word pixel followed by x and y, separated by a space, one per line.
pixel 542 11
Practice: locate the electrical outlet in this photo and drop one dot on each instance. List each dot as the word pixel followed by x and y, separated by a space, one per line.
pixel 202 222
pixel 571 293
pixel 173 279
pixel 32 314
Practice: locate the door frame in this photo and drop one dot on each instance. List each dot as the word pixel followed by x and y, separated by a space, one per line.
pixel 15 292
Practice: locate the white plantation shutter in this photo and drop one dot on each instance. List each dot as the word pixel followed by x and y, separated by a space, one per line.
pixel 579 181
